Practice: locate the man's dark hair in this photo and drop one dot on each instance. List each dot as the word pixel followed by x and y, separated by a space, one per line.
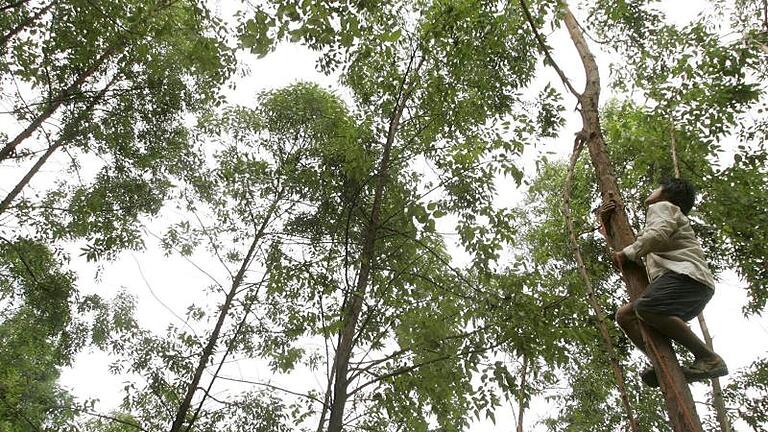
pixel 679 192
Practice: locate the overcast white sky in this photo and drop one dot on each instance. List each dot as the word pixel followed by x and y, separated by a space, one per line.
pixel 176 283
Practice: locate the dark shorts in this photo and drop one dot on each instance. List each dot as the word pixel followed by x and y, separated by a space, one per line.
pixel 674 294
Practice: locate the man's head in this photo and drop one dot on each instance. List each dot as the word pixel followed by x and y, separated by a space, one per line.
pixel 679 192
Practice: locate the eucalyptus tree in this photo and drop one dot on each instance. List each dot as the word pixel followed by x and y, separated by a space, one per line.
pixel 641 132
pixel 709 88
pixel 703 85
pixel 721 75
pixel 111 85
pixel 639 144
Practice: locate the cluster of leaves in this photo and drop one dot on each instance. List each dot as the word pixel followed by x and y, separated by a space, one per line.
pixel 44 324
pixel 116 79
pixel 419 55
pixel 751 405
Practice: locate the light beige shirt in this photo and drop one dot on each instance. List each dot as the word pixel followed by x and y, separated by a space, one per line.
pixel 668 243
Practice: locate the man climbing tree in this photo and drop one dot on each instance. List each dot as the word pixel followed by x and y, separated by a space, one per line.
pixel 681 282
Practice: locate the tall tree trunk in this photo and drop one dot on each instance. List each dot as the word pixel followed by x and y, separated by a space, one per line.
pixel 247 310
pixel 27 22
pixel 355 303
pixel 63 139
pixel 677 395
pixel 192 387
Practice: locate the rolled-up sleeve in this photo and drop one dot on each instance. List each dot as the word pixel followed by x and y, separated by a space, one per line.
pixel 660 224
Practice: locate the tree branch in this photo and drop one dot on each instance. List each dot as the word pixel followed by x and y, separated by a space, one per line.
pixel 591 298
pixel 406 369
pixel 545 50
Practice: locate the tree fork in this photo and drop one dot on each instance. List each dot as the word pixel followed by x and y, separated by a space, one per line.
pixel 54 103
pixel 677 394
pixel 62 140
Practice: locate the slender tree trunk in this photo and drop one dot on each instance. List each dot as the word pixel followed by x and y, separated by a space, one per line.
pixel 31 173
pixel 717 390
pixel 618 374
pixel 63 139
pixel 354 307
pixel 520 402
pixel 673 145
pixel 230 346
pixel 181 413
pixel 677 395
pixel 27 22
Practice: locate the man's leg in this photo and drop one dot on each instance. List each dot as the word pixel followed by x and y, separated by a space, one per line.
pixel 707 363
pixel 677 330
pixel 628 321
